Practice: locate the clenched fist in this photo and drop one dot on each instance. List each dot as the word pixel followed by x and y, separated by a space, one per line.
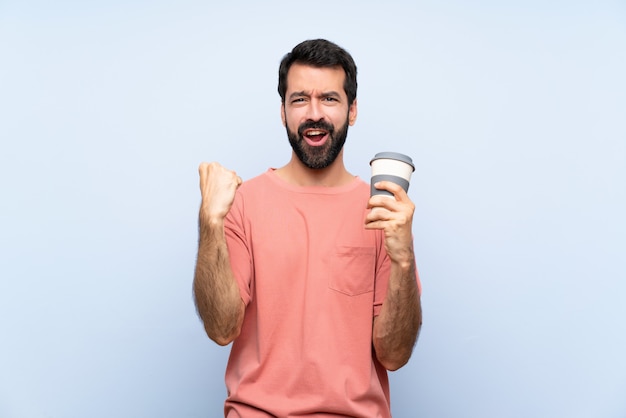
pixel 218 186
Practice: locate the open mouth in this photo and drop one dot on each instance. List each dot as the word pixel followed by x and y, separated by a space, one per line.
pixel 315 137
pixel 315 133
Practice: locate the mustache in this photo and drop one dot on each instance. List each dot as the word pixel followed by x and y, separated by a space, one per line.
pixel 316 125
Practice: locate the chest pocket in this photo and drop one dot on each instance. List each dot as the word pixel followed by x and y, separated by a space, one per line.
pixel 353 270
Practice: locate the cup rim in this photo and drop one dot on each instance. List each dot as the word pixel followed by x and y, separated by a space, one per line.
pixel 394 156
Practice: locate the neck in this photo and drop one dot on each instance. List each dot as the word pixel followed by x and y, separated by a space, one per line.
pixel 332 176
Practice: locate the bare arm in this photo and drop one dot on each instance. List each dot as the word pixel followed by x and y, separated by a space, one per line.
pixel 397 326
pixel 215 290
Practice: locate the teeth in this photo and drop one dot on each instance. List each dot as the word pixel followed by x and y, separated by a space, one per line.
pixel 315 133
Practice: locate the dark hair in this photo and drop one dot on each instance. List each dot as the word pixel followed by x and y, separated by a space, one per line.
pixel 319 53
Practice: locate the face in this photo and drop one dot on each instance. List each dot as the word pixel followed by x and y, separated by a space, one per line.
pixel 316 114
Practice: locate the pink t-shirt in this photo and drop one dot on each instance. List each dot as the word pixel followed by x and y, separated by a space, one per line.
pixel 312 278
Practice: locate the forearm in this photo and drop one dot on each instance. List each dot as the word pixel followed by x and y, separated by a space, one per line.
pixel 216 292
pixel 397 326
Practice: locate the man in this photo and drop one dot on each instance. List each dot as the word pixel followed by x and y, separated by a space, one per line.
pixel 319 294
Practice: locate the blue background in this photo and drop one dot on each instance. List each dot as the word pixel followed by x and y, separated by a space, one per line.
pixel 514 113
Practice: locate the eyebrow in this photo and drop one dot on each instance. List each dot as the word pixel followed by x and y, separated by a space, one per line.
pixel 296 94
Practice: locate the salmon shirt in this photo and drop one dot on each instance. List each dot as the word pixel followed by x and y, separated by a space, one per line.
pixel 312 279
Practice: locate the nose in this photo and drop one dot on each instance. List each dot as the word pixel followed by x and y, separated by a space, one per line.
pixel 314 111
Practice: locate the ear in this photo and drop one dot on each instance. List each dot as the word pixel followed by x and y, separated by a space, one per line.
pixel 352 112
pixel 282 114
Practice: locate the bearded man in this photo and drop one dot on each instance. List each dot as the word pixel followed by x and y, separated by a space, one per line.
pixel 318 293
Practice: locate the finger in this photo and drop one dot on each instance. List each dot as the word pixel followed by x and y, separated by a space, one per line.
pixel 378 214
pixel 398 192
pixel 205 169
pixel 375 224
pixel 382 201
pixel 202 172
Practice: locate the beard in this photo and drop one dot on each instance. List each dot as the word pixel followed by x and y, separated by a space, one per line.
pixel 322 156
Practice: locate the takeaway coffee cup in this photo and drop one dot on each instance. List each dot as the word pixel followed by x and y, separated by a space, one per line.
pixel 391 166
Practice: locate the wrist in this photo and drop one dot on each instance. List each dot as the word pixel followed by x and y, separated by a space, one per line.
pixel 210 218
pixel 214 222
pixel 404 261
pixel 211 222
